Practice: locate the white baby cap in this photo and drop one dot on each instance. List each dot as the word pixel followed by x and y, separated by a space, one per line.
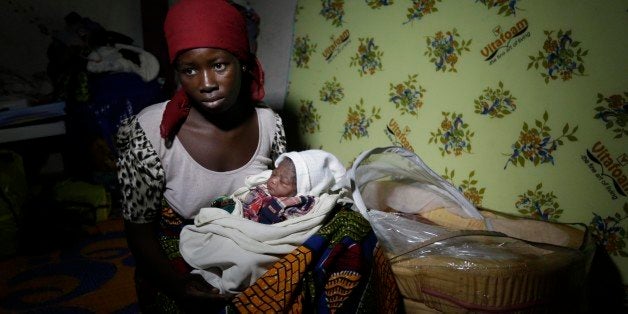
pixel 317 171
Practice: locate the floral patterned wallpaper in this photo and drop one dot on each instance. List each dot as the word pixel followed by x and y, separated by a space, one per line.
pixel 520 104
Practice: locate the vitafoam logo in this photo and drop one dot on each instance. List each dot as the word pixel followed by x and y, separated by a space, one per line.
pixel 336 45
pixel 608 171
pixel 506 40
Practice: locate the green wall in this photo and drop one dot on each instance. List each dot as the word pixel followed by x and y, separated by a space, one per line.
pixel 523 107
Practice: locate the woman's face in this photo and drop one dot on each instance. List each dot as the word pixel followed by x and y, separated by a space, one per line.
pixel 210 77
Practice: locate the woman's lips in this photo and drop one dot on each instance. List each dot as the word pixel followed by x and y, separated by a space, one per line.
pixel 212 101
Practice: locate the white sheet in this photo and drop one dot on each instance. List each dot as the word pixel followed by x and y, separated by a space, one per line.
pixel 231 252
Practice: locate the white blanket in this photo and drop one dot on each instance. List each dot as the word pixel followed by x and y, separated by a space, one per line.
pixel 231 252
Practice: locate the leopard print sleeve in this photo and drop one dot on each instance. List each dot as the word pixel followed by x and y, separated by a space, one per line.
pixel 140 174
pixel 279 140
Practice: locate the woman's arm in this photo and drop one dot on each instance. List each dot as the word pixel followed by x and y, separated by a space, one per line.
pixel 141 179
pixel 150 259
pixel 155 267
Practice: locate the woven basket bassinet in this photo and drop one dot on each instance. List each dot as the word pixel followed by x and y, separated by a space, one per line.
pixel 460 263
pixel 524 279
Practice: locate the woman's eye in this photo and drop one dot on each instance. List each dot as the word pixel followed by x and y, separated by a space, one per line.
pixel 220 66
pixel 188 71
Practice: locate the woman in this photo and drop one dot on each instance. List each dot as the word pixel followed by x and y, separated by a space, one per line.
pixel 212 130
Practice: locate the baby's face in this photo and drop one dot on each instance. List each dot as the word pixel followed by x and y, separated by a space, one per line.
pixel 283 180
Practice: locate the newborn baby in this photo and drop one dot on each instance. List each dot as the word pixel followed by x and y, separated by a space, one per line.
pixel 276 200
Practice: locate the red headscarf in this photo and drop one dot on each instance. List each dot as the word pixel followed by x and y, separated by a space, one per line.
pixel 206 23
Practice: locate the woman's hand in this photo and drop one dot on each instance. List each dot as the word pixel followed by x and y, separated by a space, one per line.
pixel 194 295
pixel 191 292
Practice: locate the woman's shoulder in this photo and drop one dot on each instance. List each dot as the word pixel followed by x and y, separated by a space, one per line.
pixel 149 119
pixel 268 114
pixel 264 108
pixel 152 114
pixel 144 124
pixel 274 128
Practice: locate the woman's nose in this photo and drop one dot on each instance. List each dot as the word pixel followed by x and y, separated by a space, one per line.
pixel 208 81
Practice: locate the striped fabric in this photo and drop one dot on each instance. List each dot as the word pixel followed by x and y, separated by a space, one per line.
pixel 339 269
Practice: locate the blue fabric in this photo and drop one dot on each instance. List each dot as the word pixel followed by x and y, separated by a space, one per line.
pixel 116 96
pixel 345 245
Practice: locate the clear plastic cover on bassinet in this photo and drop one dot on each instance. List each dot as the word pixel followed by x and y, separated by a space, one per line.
pixel 394 189
pixel 391 186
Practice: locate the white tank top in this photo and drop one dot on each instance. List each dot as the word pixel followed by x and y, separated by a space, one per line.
pixel 190 186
